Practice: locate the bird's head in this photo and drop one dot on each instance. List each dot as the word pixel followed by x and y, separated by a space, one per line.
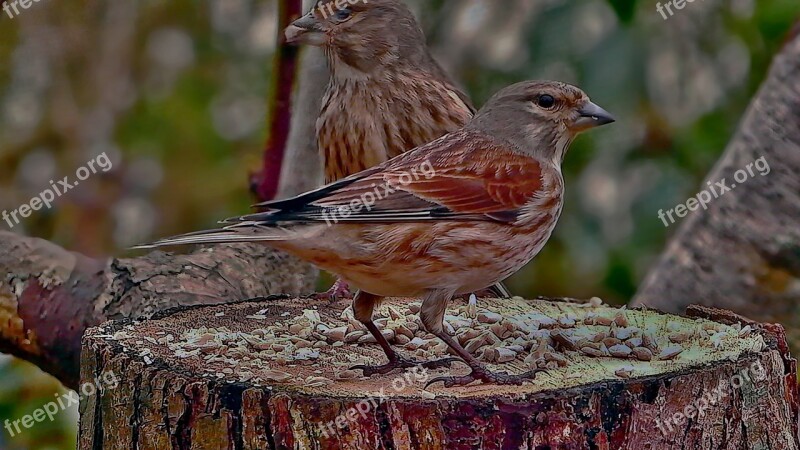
pixel 540 116
pixel 361 34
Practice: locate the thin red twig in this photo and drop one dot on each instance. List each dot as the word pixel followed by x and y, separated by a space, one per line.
pixel 264 184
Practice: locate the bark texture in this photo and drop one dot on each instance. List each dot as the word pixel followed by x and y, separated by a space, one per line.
pixel 50 296
pixel 743 253
pixel 166 401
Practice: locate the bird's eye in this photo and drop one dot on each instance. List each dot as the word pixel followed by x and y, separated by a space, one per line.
pixel 546 101
pixel 343 14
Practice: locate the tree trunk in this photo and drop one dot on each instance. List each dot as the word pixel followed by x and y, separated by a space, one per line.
pixel 274 375
pixel 743 253
pixel 49 296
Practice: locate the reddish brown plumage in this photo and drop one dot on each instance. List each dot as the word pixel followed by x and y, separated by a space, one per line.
pixel 457 214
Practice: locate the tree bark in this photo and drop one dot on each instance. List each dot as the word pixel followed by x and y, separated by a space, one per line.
pixel 244 380
pixel 743 253
pixel 50 296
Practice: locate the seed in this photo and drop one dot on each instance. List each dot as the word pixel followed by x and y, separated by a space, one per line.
pixel 566 322
pixel 500 330
pixel 414 307
pixel 489 317
pixel 642 354
pixel 335 334
pixel 472 307
pixel 427 395
pixel 674 326
pixel 295 328
pixel 619 351
pixel 394 313
pixel 347 375
pixel 416 343
pixel 313 381
pixel 621 320
pixel 679 337
pixel 466 335
pixel 634 342
pixel 474 344
pixel 302 343
pixel 746 331
pixel 401 339
pixel 276 375
pixel 404 331
pixel 623 333
pixel 516 348
pixel 670 352
pixel 605 321
pixel 531 360
pixel 599 336
pixel 501 355
pixel 611 341
pixel 354 336
pixel 560 359
pixel 592 352
pixel 587 343
pixel 650 342
pixel 624 372
pixel 561 339
pixel 367 339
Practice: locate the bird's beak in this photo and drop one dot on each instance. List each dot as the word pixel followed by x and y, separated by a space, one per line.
pixel 592 116
pixel 305 31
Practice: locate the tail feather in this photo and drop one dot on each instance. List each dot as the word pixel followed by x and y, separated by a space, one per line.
pixel 240 233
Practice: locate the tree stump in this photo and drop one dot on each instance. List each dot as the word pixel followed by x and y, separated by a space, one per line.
pixel 273 374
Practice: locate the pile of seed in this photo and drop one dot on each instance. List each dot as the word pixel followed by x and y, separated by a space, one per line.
pixel 532 339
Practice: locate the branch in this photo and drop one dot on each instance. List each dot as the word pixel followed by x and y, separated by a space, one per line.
pixel 50 296
pixel 744 252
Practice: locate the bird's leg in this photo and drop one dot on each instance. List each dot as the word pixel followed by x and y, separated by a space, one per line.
pixel 339 290
pixel 363 307
pixel 432 316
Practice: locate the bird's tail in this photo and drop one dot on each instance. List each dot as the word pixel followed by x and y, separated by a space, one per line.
pixel 239 233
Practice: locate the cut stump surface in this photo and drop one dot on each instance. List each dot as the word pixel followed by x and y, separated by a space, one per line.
pixel 274 374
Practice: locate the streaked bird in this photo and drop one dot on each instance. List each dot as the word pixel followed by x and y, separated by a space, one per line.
pixel 450 217
pixel 387 94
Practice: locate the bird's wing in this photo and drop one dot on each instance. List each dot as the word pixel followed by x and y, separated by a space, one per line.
pixel 462 176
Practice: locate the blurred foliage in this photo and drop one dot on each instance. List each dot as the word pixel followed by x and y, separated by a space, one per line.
pixel 174 92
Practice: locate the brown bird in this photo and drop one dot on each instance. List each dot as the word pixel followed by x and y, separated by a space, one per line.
pixel 387 94
pixel 448 218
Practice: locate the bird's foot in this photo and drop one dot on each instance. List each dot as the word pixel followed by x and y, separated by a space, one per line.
pixel 486 376
pixel 340 290
pixel 403 363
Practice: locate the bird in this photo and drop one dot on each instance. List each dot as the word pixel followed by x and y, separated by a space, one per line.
pixel 450 217
pixel 387 93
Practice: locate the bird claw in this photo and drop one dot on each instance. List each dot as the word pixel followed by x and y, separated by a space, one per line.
pixel 403 363
pixel 486 376
pixel 340 290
